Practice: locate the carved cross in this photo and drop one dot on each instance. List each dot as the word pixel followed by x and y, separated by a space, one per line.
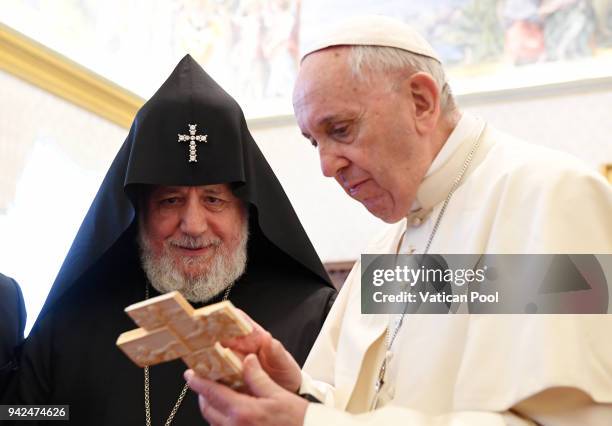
pixel 192 138
pixel 170 329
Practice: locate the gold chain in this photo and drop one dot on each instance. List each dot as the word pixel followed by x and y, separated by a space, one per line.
pixel 147 385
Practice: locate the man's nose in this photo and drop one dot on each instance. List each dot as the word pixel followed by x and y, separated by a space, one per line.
pixel 331 162
pixel 194 218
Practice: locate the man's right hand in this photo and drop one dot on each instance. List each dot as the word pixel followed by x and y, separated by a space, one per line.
pixel 272 355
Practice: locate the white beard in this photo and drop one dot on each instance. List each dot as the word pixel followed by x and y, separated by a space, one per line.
pixel 224 269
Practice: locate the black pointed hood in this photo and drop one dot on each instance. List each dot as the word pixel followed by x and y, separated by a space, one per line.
pixel 153 154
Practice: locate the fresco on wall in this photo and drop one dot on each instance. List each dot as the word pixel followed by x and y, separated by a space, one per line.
pixel 489 45
pixel 251 47
pixel 467 32
pixel 248 46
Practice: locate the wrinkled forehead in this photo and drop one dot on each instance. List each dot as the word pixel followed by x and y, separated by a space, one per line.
pixel 325 87
pixel 149 192
pixel 220 188
pixel 322 71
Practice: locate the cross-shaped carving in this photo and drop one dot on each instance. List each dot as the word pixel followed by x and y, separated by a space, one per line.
pixel 192 138
pixel 171 329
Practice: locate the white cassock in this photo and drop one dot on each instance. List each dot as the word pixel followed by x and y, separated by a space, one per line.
pixel 472 369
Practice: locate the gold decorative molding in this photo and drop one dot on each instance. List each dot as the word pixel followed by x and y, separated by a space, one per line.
pixel 606 170
pixel 41 66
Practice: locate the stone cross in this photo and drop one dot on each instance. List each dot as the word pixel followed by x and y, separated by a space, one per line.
pixel 192 138
pixel 170 329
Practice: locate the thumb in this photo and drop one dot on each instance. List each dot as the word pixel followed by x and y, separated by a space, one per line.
pixel 257 380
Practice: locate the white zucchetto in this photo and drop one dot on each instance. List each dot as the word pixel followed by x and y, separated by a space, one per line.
pixel 372 30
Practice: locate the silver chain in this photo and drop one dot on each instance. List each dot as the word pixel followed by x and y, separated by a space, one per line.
pixel 147 385
pixel 391 335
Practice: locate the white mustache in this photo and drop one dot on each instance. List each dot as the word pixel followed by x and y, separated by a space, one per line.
pixel 195 242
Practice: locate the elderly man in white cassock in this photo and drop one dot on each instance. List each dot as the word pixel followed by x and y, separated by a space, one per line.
pixel 373 98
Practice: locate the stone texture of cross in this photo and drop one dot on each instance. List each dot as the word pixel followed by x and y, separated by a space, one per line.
pixel 192 138
pixel 170 329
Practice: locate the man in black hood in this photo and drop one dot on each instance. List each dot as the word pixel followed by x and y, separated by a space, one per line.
pixel 188 204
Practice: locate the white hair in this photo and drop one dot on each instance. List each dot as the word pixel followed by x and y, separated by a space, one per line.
pixel 225 267
pixel 364 60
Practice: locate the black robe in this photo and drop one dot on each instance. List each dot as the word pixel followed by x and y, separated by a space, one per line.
pixel 70 356
pixel 12 323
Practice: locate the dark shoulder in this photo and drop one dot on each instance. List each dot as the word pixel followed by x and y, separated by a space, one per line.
pixel 11 301
pixel 321 295
pixel 9 287
pixel 12 317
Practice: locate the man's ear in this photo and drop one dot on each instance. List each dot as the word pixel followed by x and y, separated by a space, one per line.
pixel 426 97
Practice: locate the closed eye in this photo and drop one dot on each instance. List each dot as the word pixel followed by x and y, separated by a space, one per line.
pixel 312 140
pixel 340 131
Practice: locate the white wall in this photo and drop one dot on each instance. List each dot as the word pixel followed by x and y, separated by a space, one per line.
pixel 576 118
pixel 53 156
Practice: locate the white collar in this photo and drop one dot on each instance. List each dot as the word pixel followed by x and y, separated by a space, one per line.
pixel 446 166
pixel 462 130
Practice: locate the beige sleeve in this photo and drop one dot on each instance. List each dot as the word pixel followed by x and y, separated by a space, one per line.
pixel 318 376
pixel 318 414
pixel 324 392
pixel 564 406
pixel 557 411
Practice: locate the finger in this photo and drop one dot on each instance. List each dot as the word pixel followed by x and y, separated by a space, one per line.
pixel 280 365
pixel 274 355
pixel 217 395
pixel 210 413
pixel 257 379
pixel 251 343
pixel 273 358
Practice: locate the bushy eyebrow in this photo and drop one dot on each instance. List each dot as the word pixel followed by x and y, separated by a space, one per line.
pixel 326 120
pixel 208 189
pixel 215 190
pixel 163 190
pixel 329 119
